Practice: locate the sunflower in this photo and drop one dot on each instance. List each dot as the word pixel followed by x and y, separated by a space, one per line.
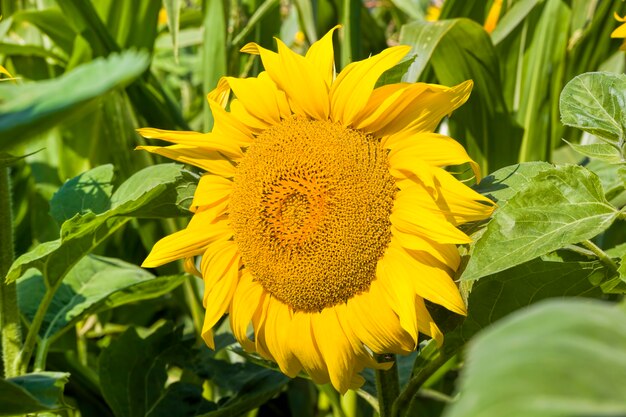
pixel 324 219
pixel 620 32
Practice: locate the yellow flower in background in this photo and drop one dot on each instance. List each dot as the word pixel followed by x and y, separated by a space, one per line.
pixel 5 72
pixel 325 218
pixel 620 32
pixel 493 16
pixel 433 11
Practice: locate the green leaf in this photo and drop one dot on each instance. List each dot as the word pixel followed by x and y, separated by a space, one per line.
pixel 594 102
pixel 181 400
pixel 603 151
pixel 503 184
pixel 536 363
pixel 252 386
pixel 172 8
pixel 149 193
pixel 32 393
pixel 515 16
pixel 88 192
pixel 173 188
pixel 50 21
pixel 460 50
pixel 560 206
pixel 93 285
pixel 496 296
pixel 133 369
pixel 31 108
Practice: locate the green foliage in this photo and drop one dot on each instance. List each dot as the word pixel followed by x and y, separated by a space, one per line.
pixel 32 108
pixel 87 208
pixel 32 393
pixel 559 206
pixel 573 335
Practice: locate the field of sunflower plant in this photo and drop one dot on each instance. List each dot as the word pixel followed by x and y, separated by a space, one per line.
pixel 341 208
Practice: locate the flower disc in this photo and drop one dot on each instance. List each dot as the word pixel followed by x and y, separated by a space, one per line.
pixel 310 211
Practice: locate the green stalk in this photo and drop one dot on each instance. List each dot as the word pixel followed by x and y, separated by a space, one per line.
pixel 33 331
pixel 387 386
pixel 351 21
pixel 602 256
pixel 412 387
pixel 9 312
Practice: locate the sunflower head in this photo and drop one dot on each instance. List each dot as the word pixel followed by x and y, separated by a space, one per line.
pixel 325 218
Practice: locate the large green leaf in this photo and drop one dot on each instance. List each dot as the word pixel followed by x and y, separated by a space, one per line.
pixel 559 358
pixel 561 206
pixel 504 183
pixel 496 296
pixel 31 108
pixel 133 369
pixel 151 192
pixel 250 385
pixel 88 192
pixel 32 393
pixel 460 50
pixel 94 284
pixel 594 102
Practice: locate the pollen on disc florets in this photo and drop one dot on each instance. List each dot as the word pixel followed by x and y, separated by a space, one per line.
pixel 310 211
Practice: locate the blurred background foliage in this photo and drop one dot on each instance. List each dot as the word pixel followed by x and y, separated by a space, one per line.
pixel 87 73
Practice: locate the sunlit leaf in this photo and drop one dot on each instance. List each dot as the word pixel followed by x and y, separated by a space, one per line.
pixel 537 363
pixel 561 206
pixel 596 102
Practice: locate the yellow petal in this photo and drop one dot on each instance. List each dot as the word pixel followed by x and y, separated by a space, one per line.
pixel 258 96
pixel 220 93
pixel 258 323
pixel 199 234
pixel 375 323
pixel 189 265
pixel 619 32
pixel 211 191
pixel 426 323
pixel 220 283
pixel 618 18
pixel 304 346
pixel 303 83
pixel 445 253
pixel 408 217
pixel 431 283
pixel 322 57
pixel 206 141
pixel 352 88
pixel 220 259
pixel 335 348
pixel 384 102
pixel 422 108
pixel 255 124
pixel 460 200
pixel 227 126
pixel 276 333
pixel 435 149
pixel 493 16
pixel 406 166
pixel 246 300
pixel 210 161
pixel 400 295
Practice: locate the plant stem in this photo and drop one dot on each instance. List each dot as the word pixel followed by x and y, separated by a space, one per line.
pixel 414 384
pixel 387 386
pixel 33 330
pixel 9 312
pixel 602 256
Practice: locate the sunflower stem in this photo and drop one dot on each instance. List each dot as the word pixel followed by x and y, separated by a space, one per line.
pixel 602 256
pixel 9 312
pixel 387 385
